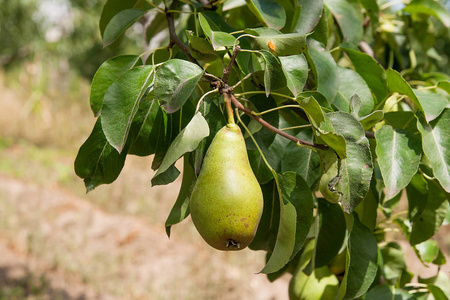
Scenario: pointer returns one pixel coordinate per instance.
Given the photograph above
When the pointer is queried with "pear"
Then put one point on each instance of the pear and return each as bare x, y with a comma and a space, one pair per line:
227, 202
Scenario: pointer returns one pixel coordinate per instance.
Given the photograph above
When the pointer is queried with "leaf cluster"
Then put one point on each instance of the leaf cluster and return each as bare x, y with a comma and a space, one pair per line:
350, 82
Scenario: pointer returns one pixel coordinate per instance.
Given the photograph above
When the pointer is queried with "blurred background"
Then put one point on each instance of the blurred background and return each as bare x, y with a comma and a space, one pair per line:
56, 241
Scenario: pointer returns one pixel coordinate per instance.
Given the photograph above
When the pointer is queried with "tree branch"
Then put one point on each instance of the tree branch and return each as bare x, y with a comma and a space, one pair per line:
174, 40
227, 70
228, 93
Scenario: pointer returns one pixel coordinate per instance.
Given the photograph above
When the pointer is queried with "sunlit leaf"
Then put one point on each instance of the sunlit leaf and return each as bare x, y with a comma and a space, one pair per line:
175, 80
106, 75
436, 146
399, 153
349, 17
186, 141
295, 68
121, 102
273, 73
269, 12
324, 69
308, 16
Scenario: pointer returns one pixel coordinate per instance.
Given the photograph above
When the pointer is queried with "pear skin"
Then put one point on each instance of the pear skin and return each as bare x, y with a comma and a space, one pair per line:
227, 202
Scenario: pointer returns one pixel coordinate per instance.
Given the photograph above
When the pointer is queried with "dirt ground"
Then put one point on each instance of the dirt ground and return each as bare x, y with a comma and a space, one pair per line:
71, 249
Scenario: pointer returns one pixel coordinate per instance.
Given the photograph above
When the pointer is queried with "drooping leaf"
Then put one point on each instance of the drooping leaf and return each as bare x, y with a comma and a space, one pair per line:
361, 266
269, 12
180, 209
295, 190
106, 75
320, 284
427, 208
121, 102
349, 17
355, 171
113, 7
324, 69
273, 73
369, 69
332, 231
308, 15
119, 23
397, 83
97, 162
175, 80
399, 153
444, 85
428, 250
351, 83
143, 131
433, 104
323, 126
285, 241
278, 43
301, 160
167, 176
330, 175
371, 119
295, 68
186, 141
436, 146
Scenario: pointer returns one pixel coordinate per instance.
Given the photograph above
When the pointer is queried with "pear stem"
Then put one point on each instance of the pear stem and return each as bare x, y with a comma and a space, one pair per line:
227, 98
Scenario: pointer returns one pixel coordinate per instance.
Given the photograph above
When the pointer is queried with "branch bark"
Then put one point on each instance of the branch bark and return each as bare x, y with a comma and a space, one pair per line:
174, 40
248, 111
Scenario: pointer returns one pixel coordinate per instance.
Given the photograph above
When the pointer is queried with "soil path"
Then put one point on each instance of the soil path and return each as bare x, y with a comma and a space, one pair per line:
77, 251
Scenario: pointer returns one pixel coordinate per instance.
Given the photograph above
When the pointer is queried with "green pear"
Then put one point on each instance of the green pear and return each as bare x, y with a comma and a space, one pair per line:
227, 202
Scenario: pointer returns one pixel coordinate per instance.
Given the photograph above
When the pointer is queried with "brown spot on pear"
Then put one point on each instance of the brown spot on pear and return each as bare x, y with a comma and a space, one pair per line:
227, 191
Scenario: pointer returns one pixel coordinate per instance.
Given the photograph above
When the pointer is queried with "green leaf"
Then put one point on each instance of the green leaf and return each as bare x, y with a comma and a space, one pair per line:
393, 262
429, 7
119, 23
428, 250
436, 146
175, 81
361, 261
121, 102
143, 131
295, 69
301, 160
323, 127
441, 280
310, 12
296, 191
269, 12
320, 284
324, 69
106, 75
186, 141
167, 177
355, 171
383, 291
285, 241
351, 83
332, 231
399, 153
445, 85
330, 176
428, 206
273, 73
397, 83
278, 43
349, 17
113, 7
97, 162
371, 119
369, 69
433, 104
180, 209
372, 9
